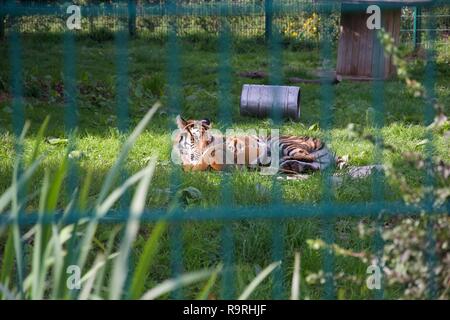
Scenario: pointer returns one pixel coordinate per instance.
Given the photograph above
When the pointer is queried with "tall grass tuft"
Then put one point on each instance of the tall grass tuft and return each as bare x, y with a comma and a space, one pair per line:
62, 263
61, 259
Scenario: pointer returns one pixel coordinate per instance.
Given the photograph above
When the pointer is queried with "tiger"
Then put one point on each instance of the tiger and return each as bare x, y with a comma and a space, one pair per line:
199, 148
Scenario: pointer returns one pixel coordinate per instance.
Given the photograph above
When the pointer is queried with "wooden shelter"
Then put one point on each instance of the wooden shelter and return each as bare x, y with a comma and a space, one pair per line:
360, 56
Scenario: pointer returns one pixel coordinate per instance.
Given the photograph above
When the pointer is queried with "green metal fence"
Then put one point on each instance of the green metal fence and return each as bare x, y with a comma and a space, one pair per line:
246, 18
166, 17
414, 22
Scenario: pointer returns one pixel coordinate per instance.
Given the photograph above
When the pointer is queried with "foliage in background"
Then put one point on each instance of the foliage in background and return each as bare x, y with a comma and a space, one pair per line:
301, 23
416, 254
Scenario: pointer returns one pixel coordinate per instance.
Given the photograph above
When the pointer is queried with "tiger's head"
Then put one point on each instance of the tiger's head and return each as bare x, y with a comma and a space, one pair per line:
191, 142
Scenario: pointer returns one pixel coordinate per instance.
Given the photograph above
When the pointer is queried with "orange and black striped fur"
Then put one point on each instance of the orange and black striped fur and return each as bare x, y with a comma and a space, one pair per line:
200, 148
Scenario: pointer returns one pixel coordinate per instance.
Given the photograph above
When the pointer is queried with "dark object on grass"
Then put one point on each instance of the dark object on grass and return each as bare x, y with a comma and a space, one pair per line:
335, 80
190, 195
253, 74
260, 100
262, 75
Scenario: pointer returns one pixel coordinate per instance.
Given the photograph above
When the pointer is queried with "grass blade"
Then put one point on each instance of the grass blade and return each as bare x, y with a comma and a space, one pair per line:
90, 276
117, 193
39, 137
55, 187
112, 174
6, 293
109, 248
7, 261
38, 288
120, 270
295, 290
101, 211
173, 284
84, 193
203, 295
150, 250
7, 196
87, 287
58, 267
98, 265
258, 279
102, 205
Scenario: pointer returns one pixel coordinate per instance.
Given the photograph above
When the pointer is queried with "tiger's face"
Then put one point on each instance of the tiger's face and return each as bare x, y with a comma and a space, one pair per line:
191, 142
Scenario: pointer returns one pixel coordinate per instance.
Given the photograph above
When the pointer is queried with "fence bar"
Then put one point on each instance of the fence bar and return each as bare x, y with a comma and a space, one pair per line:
122, 80
268, 12
174, 94
378, 123
18, 121
326, 118
122, 111
71, 122
282, 211
276, 78
417, 26
430, 182
70, 98
225, 117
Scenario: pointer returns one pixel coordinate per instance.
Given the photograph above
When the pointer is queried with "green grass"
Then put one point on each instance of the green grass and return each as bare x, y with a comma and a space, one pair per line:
99, 142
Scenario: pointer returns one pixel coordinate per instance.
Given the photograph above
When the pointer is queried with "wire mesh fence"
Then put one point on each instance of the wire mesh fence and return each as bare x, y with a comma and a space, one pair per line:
297, 20
171, 20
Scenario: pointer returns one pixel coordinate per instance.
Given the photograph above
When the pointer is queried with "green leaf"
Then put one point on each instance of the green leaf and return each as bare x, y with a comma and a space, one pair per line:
56, 141
314, 127
190, 195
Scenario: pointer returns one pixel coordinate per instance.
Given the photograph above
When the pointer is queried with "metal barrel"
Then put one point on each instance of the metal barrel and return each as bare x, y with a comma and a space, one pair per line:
258, 100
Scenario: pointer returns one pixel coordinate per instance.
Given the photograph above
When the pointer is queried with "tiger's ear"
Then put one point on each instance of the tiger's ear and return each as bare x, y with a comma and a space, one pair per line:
207, 122
181, 123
